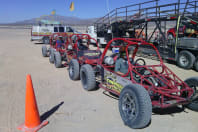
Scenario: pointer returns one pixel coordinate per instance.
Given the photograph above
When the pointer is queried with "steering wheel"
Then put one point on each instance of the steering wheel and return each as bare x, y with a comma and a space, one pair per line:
140, 64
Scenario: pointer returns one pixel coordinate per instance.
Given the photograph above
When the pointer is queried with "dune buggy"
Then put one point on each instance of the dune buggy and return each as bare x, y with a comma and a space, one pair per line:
81, 52
147, 84
56, 51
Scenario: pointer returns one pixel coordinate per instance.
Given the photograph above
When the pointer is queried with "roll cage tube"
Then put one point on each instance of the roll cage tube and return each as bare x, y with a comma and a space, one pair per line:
66, 41
89, 38
142, 42
131, 41
77, 35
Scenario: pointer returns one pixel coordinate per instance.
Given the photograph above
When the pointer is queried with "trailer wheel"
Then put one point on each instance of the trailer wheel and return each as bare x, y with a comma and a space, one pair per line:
74, 69
44, 51
193, 83
87, 77
57, 60
196, 64
185, 59
135, 106
51, 55
46, 40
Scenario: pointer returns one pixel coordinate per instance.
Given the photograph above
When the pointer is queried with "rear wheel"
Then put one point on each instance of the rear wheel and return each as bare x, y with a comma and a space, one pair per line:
57, 60
46, 40
87, 77
74, 69
185, 59
44, 51
135, 106
193, 83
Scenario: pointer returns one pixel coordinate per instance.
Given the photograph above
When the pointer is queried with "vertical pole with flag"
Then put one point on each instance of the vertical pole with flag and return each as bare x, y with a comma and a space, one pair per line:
53, 13
71, 6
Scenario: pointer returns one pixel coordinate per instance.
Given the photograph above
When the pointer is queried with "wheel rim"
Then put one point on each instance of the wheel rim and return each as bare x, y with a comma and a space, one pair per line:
71, 70
128, 106
184, 60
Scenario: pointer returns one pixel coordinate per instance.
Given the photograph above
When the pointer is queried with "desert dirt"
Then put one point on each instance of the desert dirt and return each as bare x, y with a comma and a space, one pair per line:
63, 102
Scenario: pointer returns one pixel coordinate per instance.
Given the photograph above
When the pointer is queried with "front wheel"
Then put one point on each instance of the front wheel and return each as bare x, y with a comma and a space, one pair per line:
135, 106
87, 77
74, 69
57, 60
51, 55
193, 83
44, 51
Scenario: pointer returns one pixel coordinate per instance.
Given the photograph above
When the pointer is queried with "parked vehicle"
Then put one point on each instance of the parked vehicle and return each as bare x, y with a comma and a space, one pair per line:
42, 33
57, 48
80, 52
147, 83
187, 43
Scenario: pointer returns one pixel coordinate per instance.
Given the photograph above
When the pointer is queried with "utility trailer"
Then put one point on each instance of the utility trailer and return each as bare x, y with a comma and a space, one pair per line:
172, 27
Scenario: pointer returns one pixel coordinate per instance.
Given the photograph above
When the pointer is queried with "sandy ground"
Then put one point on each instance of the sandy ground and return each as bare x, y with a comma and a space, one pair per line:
64, 103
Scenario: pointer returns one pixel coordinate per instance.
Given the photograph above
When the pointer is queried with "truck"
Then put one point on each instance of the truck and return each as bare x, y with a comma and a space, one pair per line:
171, 26
42, 32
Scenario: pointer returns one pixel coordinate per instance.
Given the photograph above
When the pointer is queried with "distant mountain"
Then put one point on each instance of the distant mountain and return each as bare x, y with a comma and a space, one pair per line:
63, 19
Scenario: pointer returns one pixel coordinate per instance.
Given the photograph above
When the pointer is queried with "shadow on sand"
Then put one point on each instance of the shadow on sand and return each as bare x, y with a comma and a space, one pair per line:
38, 43
50, 112
168, 111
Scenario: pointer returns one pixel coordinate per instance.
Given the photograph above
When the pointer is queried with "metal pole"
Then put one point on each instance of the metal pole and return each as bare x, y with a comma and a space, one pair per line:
178, 6
126, 13
156, 6
109, 17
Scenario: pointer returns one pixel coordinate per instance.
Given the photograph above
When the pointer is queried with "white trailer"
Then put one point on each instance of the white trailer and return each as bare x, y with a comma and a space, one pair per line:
91, 30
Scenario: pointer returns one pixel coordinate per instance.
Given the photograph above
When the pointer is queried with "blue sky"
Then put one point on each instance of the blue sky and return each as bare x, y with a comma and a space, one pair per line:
17, 10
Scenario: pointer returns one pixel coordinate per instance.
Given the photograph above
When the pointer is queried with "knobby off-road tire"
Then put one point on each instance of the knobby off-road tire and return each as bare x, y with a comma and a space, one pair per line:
193, 83
185, 59
135, 106
44, 51
87, 77
51, 55
57, 60
196, 64
74, 72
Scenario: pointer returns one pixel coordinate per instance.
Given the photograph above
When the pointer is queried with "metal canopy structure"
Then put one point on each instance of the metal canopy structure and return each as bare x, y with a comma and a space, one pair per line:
151, 18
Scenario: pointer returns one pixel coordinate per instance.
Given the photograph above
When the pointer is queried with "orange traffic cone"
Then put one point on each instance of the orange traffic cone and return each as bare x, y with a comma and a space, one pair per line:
32, 118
